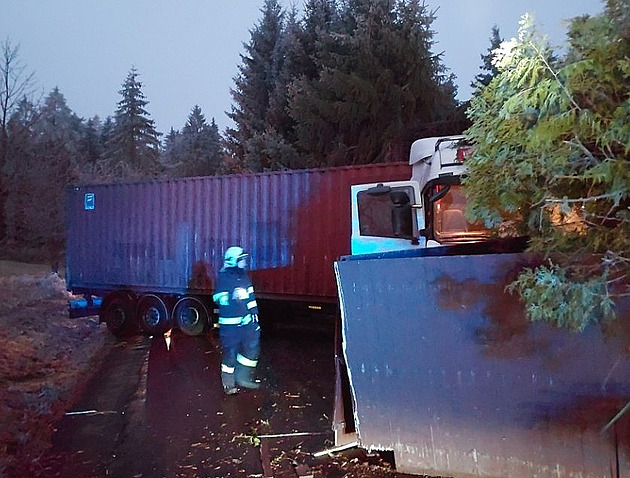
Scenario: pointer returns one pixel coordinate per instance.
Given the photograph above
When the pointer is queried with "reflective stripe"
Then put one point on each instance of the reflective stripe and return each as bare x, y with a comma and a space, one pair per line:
250, 289
221, 298
252, 304
245, 361
230, 320
226, 369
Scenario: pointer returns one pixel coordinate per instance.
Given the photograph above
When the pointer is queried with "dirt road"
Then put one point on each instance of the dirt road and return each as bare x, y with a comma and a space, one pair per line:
150, 411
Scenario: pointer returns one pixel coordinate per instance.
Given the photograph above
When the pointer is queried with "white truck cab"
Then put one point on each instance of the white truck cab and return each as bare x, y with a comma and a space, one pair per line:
426, 211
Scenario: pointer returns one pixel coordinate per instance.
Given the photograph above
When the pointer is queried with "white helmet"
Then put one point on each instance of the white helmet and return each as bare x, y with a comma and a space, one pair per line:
233, 255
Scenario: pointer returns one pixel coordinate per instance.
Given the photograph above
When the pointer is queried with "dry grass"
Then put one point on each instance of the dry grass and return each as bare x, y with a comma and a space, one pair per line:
16, 269
44, 357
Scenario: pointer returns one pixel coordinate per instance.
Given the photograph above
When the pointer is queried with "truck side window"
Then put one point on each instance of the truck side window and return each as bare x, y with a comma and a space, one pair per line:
375, 213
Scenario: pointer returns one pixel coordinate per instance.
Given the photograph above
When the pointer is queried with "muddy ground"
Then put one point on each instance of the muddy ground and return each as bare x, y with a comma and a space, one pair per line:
47, 361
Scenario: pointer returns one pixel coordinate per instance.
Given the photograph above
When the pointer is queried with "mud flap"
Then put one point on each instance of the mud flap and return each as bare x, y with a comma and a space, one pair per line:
445, 371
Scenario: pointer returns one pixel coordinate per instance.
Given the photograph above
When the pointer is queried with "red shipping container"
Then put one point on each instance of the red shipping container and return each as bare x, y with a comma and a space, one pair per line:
169, 237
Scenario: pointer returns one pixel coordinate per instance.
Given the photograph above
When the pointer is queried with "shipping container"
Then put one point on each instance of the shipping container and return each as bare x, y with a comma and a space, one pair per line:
157, 243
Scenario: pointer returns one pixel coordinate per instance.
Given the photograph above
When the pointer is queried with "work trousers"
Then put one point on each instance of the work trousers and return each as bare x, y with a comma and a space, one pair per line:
239, 340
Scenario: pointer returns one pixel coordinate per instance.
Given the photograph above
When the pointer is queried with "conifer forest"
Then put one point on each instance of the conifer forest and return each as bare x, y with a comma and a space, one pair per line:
356, 81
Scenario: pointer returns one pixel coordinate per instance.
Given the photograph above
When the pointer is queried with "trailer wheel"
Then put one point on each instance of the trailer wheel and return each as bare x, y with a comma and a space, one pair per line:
153, 315
117, 312
191, 315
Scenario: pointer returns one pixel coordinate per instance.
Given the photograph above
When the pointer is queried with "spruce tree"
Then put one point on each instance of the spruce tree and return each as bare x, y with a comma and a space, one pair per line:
488, 68
196, 151
92, 145
376, 78
20, 160
256, 81
133, 147
297, 56
173, 152
289, 54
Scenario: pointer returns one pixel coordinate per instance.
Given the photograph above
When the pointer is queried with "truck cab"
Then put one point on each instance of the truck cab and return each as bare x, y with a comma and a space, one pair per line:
426, 211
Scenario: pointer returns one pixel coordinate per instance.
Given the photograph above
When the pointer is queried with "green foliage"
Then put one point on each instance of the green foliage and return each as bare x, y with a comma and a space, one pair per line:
258, 81
338, 87
377, 77
268, 151
488, 69
552, 143
550, 296
196, 151
133, 147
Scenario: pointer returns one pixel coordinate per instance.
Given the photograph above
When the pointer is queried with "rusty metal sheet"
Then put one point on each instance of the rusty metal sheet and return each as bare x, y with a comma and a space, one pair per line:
446, 371
170, 236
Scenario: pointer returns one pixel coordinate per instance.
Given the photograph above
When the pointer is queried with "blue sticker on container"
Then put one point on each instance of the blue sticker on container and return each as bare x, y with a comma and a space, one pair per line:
88, 201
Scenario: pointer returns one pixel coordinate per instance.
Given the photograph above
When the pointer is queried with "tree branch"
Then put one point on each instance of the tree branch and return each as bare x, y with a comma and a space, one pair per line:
582, 200
564, 88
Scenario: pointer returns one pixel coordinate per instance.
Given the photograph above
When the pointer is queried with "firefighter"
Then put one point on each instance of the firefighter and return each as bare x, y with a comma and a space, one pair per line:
239, 330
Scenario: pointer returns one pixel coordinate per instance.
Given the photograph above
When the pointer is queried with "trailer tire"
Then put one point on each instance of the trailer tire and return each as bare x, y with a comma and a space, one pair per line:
153, 315
191, 315
117, 313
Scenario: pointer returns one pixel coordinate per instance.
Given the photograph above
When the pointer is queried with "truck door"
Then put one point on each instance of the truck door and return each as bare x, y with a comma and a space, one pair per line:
384, 217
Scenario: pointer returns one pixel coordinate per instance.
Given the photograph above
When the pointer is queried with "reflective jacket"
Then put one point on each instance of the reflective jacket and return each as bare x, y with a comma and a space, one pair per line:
234, 294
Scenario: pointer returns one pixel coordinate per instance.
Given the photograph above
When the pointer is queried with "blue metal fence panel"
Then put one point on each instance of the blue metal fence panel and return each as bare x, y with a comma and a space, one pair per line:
448, 373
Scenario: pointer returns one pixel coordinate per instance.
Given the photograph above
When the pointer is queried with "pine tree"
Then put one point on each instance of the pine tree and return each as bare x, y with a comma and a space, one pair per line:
133, 147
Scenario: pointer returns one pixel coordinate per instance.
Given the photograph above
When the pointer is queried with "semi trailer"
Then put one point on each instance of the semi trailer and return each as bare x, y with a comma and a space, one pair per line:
144, 255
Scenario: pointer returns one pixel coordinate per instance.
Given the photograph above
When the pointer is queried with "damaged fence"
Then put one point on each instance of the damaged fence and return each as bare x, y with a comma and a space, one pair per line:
438, 363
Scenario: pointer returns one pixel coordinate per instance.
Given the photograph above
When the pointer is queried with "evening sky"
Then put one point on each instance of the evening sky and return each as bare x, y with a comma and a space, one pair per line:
187, 52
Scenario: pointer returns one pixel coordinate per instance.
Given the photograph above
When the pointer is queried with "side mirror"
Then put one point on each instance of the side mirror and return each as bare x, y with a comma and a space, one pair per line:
402, 217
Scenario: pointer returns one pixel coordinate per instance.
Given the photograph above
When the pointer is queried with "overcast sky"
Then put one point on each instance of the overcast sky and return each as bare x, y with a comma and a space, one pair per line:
187, 52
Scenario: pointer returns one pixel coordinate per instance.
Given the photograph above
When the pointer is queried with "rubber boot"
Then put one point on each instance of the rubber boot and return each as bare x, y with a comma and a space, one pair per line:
244, 377
229, 384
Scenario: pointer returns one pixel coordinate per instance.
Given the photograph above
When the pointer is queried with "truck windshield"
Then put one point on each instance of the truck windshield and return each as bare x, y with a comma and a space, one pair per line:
449, 222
